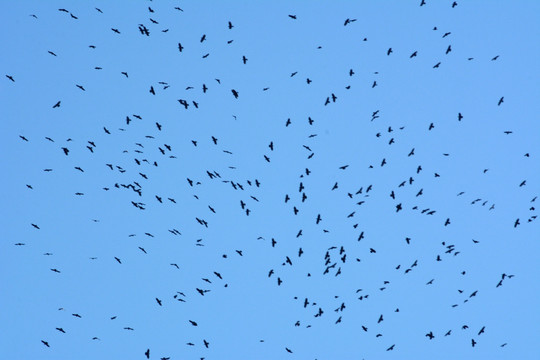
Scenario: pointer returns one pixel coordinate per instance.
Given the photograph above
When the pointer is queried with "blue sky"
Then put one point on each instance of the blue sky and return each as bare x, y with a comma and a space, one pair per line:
114, 259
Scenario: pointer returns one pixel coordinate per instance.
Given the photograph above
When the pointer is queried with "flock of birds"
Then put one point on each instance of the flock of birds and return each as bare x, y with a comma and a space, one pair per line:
134, 179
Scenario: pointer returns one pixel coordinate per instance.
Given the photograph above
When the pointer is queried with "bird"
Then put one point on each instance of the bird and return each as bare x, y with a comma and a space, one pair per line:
57, 105
501, 100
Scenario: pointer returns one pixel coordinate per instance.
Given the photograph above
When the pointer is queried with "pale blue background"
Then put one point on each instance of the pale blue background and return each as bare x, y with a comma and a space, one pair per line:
410, 94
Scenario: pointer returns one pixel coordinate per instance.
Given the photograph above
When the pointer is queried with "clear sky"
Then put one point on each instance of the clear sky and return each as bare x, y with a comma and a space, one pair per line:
144, 188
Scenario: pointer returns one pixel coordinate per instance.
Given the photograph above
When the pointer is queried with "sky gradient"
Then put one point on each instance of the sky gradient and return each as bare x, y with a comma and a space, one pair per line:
297, 185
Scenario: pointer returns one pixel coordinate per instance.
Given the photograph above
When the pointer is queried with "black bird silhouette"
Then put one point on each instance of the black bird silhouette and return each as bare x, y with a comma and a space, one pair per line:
292, 17
501, 100
147, 353
235, 93
158, 301
45, 343
57, 105
10, 78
